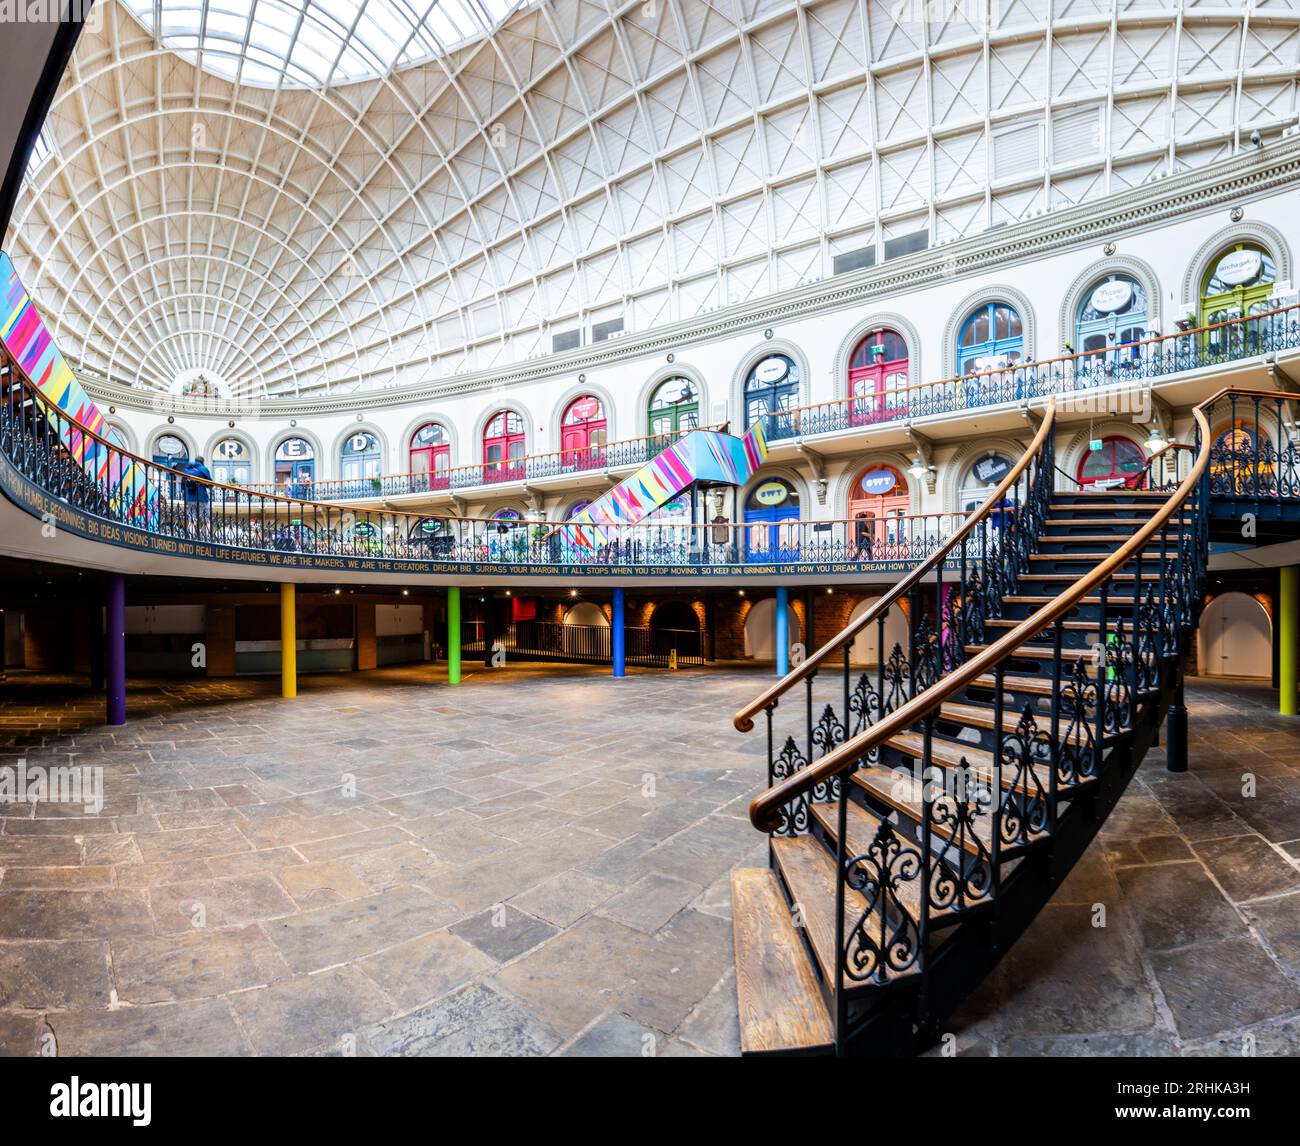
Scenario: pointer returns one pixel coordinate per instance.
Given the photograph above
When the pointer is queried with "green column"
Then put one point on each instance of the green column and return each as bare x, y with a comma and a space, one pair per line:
1288, 651
453, 634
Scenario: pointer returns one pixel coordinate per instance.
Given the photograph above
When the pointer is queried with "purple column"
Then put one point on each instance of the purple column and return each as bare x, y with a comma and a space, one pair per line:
115, 649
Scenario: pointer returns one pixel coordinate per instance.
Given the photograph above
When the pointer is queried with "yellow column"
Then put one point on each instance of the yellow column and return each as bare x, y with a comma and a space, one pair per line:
288, 641
1288, 653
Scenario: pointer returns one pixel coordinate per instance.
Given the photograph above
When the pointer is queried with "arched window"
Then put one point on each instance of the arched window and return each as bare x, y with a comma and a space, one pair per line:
360, 457
991, 338
878, 505
295, 467
430, 458
1112, 316
583, 433
169, 450
434, 535
1238, 284
1119, 462
576, 508
503, 447
878, 378
981, 479
771, 395
232, 462
772, 517
674, 407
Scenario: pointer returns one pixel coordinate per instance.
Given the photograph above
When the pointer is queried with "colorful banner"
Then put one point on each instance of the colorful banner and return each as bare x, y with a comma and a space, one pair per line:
702, 455
29, 343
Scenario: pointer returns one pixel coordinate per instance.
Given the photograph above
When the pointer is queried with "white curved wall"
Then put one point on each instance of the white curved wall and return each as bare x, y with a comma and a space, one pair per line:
1235, 638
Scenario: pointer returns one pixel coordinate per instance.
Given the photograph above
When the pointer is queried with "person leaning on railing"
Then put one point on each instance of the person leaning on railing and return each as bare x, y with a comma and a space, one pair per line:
198, 501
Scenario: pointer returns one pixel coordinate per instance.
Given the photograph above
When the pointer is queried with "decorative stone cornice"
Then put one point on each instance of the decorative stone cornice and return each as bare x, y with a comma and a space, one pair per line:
1249, 175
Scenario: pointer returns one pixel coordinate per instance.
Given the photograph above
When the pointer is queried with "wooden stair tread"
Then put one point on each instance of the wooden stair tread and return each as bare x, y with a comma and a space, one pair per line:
809, 873
1043, 599
862, 826
1075, 576
1035, 652
902, 792
1107, 520
777, 993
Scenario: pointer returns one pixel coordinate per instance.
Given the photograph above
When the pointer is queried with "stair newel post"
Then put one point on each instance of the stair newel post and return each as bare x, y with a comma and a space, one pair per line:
1162, 614
913, 619
1256, 451
1056, 726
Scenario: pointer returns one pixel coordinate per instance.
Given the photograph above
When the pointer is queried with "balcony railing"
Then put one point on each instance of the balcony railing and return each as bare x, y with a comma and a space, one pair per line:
586, 459
1158, 356
1155, 357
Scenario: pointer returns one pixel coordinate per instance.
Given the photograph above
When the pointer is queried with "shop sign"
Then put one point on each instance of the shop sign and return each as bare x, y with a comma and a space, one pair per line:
771, 370
991, 468
1111, 296
585, 409
1238, 267
878, 482
771, 493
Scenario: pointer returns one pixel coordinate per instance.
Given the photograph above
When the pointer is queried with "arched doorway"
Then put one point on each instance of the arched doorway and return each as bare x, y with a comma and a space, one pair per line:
992, 338
1235, 637
1111, 318
878, 508
771, 395
772, 517
878, 378
170, 451
587, 613
1240, 283
295, 467
675, 627
674, 407
583, 433
430, 458
1119, 462
866, 645
360, 458
504, 445
760, 629
232, 462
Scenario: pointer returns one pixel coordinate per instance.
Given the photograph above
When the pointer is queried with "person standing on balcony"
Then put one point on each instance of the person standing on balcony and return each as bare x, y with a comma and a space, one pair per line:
198, 498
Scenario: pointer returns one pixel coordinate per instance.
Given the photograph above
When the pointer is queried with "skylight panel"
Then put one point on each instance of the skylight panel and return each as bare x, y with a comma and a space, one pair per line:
313, 42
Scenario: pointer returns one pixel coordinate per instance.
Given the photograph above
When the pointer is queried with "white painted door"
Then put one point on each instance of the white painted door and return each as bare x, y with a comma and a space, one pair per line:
1236, 637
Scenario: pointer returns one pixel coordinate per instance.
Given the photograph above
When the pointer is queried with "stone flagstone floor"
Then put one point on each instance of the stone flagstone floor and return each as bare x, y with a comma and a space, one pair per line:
536, 863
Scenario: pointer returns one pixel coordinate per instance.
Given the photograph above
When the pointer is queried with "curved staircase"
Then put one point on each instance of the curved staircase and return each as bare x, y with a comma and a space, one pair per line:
921, 811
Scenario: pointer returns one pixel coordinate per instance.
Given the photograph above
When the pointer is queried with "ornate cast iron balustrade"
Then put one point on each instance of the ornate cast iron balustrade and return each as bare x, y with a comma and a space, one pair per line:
96, 476
853, 729
1129, 363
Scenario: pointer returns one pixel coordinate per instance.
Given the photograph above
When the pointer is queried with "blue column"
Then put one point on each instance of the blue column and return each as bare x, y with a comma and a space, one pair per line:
617, 635
782, 631
115, 649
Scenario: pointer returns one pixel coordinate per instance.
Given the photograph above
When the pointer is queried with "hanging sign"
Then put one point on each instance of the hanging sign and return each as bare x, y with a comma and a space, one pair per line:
170, 446
1238, 267
231, 448
360, 443
292, 448
991, 468
771, 370
878, 482
1095, 445
771, 493
1111, 296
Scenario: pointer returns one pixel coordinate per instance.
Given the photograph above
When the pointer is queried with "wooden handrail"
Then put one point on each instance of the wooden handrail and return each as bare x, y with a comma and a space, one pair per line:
765, 810
744, 719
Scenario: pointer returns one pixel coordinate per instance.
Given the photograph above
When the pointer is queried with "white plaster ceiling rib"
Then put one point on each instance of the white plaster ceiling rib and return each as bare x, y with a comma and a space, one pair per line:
307, 197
